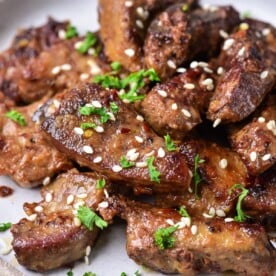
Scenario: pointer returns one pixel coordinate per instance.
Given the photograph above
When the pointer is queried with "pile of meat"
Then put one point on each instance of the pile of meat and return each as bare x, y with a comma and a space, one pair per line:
186, 114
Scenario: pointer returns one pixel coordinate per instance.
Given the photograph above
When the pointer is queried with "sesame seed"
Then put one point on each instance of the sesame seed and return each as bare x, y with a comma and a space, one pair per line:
31, 217
266, 31
106, 193
56, 70
220, 213
241, 51
87, 250
78, 204
88, 149
228, 219
139, 24
134, 156
190, 190
91, 51
216, 122
129, 52
46, 181
130, 152
84, 76
97, 159
48, 197
190, 173
161, 153
244, 26
82, 196
194, 229
78, 131
171, 64
151, 153
264, 74
194, 64
140, 118
186, 113
141, 164
38, 209
210, 87
181, 70
174, 106
212, 211
203, 64
228, 44
126, 101
61, 34
223, 34
94, 68
70, 199
187, 221
266, 157
96, 104
170, 222
77, 222
253, 156
208, 70
144, 14
66, 67
111, 116
207, 215
189, 86
116, 168
86, 260
207, 81
128, 4
271, 125
103, 204
261, 119
139, 139
78, 44
162, 93
223, 163
220, 70
99, 129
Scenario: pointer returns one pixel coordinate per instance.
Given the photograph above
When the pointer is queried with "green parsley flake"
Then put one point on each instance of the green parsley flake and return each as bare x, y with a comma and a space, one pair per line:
91, 110
100, 183
185, 8
183, 212
169, 143
70, 273
125, 163
89, 218
163, 237
87, 125
153, 172
241, 216
245, 14
107, 81
16, 117
116, 66
114, 107
89, 274
89, 41
123, 274
71, 32
197, 178
137, 273
5, 226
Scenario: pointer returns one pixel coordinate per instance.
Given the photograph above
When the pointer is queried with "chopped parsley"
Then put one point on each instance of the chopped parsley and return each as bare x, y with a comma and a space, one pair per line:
241, 216
100, 183
16, 117
89, 218
163, 237
114, 107
197, 178
89, 274
5, 226
153, 172
71, 32
87, 125
137, 273
89, 110
125, 163
107, 81
116, 66
183, 212
169, 143
89, 41
123, 274
70, 273
185, 7
245, 14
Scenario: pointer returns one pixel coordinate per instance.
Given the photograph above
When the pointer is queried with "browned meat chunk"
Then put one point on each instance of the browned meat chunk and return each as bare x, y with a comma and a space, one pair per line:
51, 236
39, 63
256, 141
123, 27
26, 154
204, 247
117, 144
175, 107
175, 37
248, 78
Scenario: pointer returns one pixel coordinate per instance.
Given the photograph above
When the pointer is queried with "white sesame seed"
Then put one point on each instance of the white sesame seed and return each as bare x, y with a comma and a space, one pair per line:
212, 211
111, 116
66, 67
61, 34
194, 229
171, 64
228, 219
194, 64
139, 139
139, 24
46, 181
161, 153
189, 86
106, 193
128, 4
223, 34
78, 204
203, 64
180, 225
103, 204
228, 43
99, 129
210, 87
244, 26
87, 149
38, 209
271, 125
82, 195
208, 70
216, 122
86, 260
141, 164
87, 250
91, 51
134, 156
48, 197
31, 217
116, 168
129, 52
84, 76
96, 104
174, 106
126, 101
78, 44
142, 13
241, 51
78, 131
149, 154
77, 221
266, 31
97, 159
207, 215
70, 199
207, 81
253, 156
261, 119
220, 213
220, 70
266, 157
94, 68
56, 70
190, 173
186, 113
140, 118
223, 163
170, 222
162, 93
264, 74
131, 152
187, 221
190, 190
181, 70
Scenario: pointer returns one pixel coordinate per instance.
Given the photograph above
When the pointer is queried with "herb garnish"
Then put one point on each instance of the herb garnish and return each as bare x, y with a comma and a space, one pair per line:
16, 117
89, 218
163, 237
71, 32
169, 143
87, 125
123, 274
114, 107
245, 14
197, 178
100, 183
89, 41
5, 226
153, 172
116, 66
89, 110
107, 81
137, 273
125, 163
241, 216
183, 212
89, 274
70, 273
185, 7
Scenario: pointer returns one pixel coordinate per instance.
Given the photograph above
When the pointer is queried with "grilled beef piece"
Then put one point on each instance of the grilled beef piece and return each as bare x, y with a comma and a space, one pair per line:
256, 142
175, 107
101, 147
123, 33
205, 247
26, 154
51, 236
38, 63
175, 37
249, 77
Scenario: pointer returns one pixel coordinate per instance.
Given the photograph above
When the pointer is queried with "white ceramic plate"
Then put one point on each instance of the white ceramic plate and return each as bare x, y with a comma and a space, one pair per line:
109, 257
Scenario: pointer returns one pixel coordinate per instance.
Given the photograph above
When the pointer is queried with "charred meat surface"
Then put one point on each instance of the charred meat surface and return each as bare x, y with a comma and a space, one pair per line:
206, 246
50, 237
176, 37
115, 143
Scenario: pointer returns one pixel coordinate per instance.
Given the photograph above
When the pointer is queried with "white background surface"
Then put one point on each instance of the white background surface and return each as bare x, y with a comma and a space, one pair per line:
108, 258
